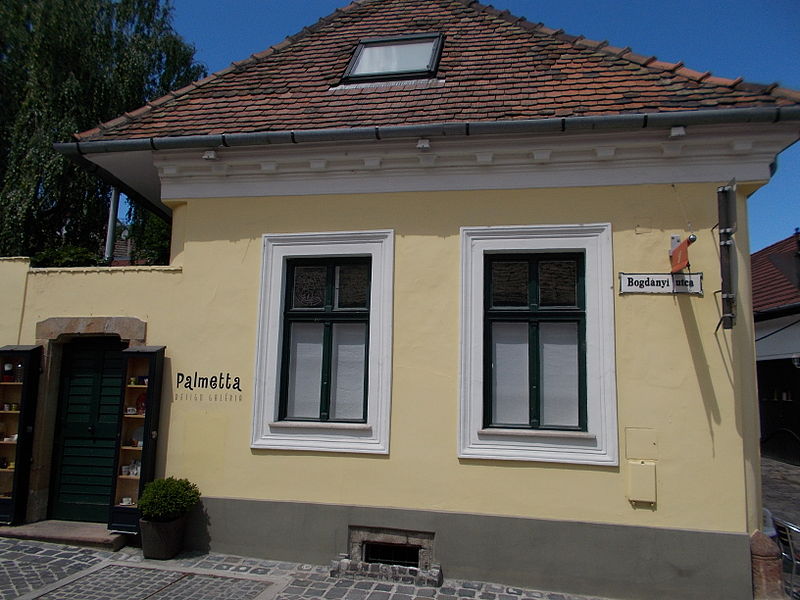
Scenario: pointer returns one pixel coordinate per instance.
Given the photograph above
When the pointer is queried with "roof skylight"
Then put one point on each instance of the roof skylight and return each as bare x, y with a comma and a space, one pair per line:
395, 58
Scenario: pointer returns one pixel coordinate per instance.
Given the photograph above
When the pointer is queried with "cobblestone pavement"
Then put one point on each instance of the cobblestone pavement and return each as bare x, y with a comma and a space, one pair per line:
38, 570
780, 489
26, 566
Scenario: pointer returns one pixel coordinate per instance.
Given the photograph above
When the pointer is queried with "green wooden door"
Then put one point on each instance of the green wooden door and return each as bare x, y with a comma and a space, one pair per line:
86, 432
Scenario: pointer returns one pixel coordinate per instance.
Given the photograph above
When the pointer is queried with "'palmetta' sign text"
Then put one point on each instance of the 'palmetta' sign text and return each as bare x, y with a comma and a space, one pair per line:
223, 381
215, 388
660, 283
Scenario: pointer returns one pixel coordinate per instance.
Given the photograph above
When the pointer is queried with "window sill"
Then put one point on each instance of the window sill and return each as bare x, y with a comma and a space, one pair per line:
318, 436
366, 427
536, 433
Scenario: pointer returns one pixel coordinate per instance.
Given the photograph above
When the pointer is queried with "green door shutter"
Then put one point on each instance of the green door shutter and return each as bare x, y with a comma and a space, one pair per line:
84, 449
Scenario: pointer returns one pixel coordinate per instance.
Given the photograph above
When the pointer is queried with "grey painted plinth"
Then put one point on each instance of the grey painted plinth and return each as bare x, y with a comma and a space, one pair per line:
583, 558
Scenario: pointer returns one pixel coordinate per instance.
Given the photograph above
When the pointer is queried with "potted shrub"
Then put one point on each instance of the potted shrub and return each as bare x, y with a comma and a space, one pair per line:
163, 505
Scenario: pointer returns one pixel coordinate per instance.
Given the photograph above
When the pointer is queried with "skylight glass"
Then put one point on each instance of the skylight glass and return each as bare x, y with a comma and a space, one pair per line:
395, 58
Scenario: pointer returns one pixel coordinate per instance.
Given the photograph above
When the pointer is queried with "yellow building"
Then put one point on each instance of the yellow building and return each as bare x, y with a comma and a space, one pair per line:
420, 294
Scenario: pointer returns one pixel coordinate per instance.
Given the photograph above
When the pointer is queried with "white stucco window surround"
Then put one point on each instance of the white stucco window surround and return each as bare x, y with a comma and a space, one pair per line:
598, 443
371, 436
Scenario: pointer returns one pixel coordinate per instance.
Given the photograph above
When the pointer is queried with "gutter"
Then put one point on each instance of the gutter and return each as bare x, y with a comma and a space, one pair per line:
775, 312
76, 150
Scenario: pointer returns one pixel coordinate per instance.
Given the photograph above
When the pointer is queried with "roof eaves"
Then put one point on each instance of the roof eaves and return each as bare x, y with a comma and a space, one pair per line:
630, 121
776, 311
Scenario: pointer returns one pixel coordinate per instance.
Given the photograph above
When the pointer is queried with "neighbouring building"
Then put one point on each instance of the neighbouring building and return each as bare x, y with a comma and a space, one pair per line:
421, 298
776, 307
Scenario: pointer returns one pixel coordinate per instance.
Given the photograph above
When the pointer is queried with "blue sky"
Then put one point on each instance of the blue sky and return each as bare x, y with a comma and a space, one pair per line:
758, 40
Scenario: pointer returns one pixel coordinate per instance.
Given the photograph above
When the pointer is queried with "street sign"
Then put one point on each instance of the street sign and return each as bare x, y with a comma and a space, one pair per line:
660, 283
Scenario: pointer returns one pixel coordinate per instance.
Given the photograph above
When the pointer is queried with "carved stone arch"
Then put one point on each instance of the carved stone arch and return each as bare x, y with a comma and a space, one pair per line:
129, 329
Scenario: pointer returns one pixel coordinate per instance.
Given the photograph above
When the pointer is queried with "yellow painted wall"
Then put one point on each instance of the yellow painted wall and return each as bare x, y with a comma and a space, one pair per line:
674, 373
13, 279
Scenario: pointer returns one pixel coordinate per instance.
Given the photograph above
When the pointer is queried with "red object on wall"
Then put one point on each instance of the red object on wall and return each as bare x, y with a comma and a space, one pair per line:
679, 257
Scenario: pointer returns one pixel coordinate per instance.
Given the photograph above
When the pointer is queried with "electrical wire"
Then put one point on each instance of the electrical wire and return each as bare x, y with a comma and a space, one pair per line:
765, 336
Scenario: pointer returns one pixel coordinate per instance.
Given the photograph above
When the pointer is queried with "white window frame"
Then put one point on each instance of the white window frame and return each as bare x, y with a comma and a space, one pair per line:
371, 437
598, 445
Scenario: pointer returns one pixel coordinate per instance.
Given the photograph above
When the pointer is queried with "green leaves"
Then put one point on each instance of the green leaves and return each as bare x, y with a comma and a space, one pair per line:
151, 237
65, 66
167, 499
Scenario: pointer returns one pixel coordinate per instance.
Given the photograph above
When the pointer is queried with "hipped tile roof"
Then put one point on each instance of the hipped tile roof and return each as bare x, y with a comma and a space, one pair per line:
772, 275
494, 66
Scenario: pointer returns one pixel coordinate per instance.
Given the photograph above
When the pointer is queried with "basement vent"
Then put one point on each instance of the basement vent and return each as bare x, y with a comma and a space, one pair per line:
391, 546
391, 554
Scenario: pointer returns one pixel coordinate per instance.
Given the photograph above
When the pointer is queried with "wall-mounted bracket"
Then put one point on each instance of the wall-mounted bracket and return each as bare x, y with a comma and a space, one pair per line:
726, 205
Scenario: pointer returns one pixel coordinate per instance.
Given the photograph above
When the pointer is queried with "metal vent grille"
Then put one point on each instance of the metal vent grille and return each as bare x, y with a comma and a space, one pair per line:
391, 554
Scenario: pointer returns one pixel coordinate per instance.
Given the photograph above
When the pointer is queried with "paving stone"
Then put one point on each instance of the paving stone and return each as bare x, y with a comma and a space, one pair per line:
780, 484
364, 585
494, 588
472, 585
211, 587
12, 555
115, 583
405, 589
294, 589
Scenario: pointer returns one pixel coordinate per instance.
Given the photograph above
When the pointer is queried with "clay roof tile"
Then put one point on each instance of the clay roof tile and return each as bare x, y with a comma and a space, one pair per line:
494, 65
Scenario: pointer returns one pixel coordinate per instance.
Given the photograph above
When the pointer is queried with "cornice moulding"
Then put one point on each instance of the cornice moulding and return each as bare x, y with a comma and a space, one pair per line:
707, 153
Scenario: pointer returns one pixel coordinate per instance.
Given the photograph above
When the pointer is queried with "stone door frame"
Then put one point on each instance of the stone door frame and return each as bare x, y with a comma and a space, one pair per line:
52, 334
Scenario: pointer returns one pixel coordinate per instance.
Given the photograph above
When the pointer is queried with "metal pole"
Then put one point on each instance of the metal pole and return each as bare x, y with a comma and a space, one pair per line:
112, 225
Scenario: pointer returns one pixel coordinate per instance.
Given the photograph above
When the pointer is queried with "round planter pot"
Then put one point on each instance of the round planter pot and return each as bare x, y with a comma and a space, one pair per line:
162, 540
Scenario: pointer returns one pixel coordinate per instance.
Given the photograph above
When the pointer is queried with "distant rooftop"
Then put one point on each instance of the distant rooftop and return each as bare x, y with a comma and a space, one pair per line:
775, 271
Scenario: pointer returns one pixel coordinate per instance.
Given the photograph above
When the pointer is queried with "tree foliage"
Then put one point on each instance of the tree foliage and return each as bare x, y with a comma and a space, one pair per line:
65, 66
